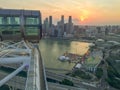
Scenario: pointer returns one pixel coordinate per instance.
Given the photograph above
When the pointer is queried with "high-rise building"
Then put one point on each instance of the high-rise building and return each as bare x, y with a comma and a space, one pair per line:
59, 28
69, 26
70, 19
62, 25
46, 26
50, 21
62, 19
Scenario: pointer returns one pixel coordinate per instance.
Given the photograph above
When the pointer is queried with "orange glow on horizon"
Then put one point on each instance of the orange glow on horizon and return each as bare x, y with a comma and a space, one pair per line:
82, 18
94, 12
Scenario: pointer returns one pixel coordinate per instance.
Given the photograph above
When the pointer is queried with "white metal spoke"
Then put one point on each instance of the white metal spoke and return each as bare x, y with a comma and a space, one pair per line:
12, 53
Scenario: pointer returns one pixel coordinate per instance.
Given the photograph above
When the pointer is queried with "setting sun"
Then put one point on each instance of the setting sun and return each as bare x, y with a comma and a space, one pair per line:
86, 11
82, 18
84, 15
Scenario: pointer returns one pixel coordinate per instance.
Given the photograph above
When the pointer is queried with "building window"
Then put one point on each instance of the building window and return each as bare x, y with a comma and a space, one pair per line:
31, 20
7, 30
33, 30
4, 20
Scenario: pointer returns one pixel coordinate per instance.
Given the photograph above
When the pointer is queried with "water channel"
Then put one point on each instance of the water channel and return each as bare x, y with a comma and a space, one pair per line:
51, 49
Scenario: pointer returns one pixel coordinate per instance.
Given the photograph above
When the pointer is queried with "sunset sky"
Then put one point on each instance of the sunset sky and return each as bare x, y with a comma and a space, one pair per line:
85, 12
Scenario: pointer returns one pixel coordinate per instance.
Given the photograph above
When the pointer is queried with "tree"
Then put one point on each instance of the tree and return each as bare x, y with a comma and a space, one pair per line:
67, 82
99, 73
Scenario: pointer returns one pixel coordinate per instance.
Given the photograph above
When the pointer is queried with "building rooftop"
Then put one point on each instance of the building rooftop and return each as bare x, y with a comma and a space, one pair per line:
19, 12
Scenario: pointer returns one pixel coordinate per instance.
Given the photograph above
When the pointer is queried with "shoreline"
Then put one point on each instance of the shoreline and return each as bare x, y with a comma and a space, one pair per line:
70, 39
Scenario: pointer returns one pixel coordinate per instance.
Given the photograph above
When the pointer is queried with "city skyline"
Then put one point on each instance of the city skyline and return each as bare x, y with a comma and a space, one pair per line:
84, 12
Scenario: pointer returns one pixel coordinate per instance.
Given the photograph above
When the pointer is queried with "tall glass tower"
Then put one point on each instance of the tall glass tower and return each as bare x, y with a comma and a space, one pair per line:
50, 21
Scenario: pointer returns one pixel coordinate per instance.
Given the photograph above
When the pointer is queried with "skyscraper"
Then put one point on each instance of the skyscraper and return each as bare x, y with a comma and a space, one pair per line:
62, 25
70, 19
50, 21
62, 19
46, 26
69, 26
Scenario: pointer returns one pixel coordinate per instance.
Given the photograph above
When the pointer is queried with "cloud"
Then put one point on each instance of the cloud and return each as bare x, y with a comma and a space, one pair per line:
76, 20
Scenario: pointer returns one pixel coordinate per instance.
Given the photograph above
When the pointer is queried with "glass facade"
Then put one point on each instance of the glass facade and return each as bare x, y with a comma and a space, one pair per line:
10, 30
31, 25
5, 20
31, 20
31, 30
9, 25
20, 24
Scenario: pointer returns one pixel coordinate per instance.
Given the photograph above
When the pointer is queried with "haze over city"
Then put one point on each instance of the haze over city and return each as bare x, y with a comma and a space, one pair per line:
59, 45
84, 12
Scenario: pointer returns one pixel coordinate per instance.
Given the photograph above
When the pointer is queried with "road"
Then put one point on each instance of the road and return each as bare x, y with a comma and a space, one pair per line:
103, 83
77, 82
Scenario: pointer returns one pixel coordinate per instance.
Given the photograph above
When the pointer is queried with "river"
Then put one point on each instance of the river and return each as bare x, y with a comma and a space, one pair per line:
51, 49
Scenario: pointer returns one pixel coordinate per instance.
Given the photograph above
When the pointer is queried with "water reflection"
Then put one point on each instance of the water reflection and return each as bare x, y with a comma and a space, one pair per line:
52, 49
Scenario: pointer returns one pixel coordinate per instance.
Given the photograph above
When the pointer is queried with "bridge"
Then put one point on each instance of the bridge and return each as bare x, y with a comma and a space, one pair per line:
77, 82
